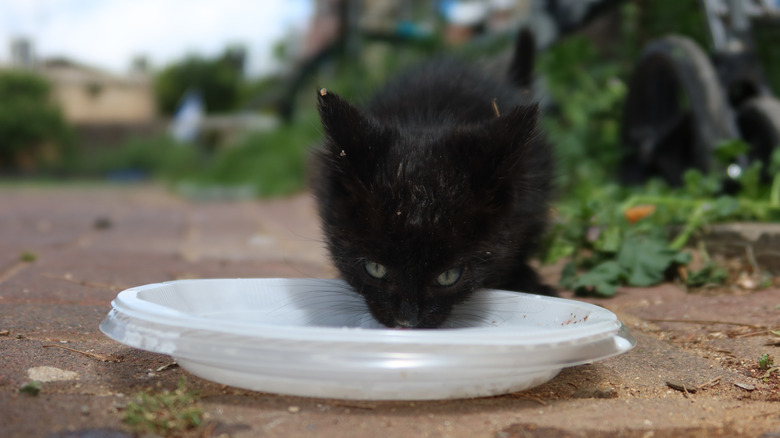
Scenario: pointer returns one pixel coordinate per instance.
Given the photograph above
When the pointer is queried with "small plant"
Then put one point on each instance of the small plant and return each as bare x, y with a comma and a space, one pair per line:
31, 388
766, 362
709, 274
166, 413
28, 257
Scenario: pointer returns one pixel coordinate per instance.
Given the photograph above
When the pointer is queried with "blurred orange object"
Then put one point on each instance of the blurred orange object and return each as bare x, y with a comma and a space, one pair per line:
638, 212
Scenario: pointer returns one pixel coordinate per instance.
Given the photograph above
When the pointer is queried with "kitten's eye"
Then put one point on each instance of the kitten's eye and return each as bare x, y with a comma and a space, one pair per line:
376, 270
449, 277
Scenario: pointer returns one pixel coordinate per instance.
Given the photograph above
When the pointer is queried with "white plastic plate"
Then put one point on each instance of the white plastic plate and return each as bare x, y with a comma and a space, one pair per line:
316, 338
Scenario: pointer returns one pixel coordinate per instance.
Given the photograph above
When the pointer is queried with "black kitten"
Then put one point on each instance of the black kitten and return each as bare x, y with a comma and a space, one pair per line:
435, 189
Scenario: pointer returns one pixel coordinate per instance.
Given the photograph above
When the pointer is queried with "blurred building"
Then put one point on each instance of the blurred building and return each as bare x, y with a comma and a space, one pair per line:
90, 96
103, 107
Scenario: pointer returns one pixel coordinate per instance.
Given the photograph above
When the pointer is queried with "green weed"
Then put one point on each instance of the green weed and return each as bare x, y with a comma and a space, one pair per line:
28, 256
31, 388
165, 413
765, 362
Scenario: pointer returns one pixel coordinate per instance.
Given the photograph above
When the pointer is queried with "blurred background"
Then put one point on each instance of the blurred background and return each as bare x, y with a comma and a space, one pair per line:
216, 99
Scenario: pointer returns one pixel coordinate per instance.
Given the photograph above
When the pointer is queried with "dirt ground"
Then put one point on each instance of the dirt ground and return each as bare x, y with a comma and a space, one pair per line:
66, 252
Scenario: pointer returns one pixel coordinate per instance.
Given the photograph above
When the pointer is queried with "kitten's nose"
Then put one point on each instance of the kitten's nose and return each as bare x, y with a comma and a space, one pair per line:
407, 315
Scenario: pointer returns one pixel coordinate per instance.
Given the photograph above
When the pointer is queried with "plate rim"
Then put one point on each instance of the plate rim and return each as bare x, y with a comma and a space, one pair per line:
129, 304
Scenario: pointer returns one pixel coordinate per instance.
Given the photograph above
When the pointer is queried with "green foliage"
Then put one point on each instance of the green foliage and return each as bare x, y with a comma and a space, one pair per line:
765, 362
267, 163
608, 250
765, 34
28, 257
683, 17
729, 150
259, 92
585, 130
646, 258
219, 80
602, 280
160, 157
272, 162
31, 388
710, 273
33, 133
166, 413
262, 163
612, 252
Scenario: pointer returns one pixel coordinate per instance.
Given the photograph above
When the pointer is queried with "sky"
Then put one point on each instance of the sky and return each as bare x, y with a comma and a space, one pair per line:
108, 33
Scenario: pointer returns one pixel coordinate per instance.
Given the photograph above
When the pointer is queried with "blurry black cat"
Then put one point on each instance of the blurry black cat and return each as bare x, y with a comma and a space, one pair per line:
432, 191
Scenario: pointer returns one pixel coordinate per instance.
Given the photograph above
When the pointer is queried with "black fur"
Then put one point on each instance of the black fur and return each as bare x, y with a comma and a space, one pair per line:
426, 178
521, 69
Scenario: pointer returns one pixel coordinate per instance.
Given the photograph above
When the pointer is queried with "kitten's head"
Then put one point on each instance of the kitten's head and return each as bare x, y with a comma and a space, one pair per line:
416, 220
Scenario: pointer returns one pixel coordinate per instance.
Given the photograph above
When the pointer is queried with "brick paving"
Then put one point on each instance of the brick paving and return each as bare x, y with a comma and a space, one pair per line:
89, 242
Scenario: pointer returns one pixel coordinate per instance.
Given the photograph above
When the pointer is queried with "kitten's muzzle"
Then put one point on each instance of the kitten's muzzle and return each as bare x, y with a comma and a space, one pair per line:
407, 315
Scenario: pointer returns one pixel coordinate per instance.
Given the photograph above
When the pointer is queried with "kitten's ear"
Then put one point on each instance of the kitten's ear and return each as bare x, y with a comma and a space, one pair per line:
515, 129
492, 150
343, 123
355, 144
521, 69
513, 156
